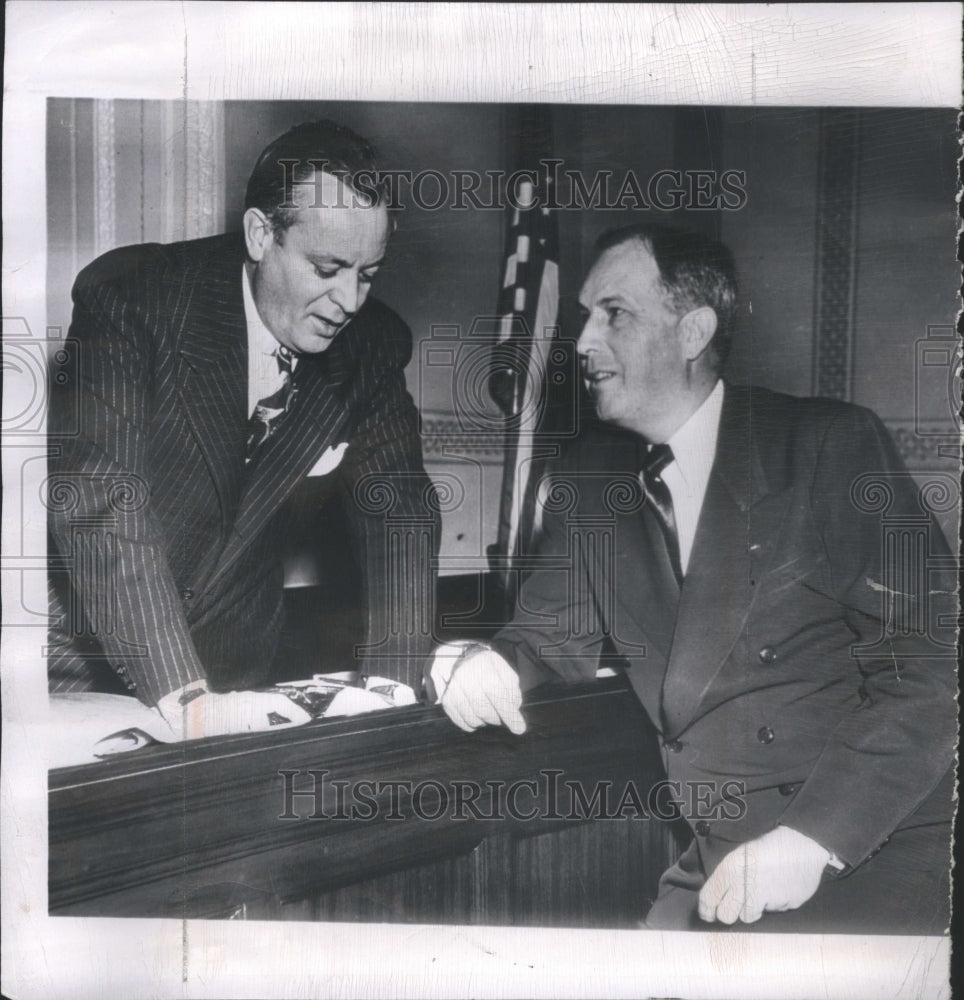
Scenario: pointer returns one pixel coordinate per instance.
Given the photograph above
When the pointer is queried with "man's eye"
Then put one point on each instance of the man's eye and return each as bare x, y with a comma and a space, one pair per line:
614, 312
366, 279
324, 272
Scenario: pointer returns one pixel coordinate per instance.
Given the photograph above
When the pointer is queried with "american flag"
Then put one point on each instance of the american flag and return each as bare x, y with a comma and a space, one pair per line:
528, 312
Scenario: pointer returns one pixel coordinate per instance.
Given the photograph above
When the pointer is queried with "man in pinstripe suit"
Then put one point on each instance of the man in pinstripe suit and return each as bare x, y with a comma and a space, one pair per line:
212, 377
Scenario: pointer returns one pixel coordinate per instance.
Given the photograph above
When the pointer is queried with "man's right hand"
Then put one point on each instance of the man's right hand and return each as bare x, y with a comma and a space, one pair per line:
477, 687
193, 712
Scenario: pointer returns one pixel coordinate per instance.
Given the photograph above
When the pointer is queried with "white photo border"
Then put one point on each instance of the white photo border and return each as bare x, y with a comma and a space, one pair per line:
820, 54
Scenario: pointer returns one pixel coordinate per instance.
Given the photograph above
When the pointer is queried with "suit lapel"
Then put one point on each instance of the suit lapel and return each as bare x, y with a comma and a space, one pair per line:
648, 595
212, 374
637, 593
313, 424
719, 587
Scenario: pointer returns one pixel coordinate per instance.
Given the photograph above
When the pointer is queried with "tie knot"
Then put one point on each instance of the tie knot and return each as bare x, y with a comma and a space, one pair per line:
284, 357
658, 457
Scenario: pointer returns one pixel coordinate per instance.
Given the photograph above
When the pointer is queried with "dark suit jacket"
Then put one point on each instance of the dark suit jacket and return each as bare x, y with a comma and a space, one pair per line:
785, 663
169, 546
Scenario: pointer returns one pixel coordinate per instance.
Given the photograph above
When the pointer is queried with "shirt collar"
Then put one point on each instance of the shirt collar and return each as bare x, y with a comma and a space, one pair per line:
260, 339
694, 444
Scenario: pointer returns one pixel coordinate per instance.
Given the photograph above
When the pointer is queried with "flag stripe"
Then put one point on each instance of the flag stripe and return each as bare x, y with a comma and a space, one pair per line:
528, 310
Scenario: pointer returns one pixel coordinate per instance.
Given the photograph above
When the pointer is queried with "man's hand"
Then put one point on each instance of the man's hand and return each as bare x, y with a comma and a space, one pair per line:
476, 687
779, 871
194, 712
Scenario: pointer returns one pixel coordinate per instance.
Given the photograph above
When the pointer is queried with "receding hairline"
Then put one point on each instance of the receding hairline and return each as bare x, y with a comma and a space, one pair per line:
616, 239
306, 195
633, 241
348, 196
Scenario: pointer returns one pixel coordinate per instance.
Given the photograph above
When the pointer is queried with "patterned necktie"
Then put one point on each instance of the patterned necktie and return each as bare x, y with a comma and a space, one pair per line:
269, 411
661, 500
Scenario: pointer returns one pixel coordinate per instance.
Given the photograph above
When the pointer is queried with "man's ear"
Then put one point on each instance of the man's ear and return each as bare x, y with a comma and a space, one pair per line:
696, 331
258, 234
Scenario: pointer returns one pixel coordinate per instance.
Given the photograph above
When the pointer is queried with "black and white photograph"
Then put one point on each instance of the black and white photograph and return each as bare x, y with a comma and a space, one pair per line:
474, 538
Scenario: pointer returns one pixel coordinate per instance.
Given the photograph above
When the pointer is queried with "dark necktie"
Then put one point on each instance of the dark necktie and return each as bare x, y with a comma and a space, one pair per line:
661, 500
269, 411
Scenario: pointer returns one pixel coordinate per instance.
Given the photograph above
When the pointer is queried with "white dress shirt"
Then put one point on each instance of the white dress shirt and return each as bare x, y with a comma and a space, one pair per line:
264, 378
694, 448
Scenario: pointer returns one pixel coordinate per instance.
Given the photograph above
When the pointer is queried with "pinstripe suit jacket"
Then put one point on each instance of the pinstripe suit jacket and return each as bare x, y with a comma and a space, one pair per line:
165, 547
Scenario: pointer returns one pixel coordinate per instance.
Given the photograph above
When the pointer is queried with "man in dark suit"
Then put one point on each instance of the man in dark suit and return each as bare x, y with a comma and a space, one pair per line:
212, 377
765, 570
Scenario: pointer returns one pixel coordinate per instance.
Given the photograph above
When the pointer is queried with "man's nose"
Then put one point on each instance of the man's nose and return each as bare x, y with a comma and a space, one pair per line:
345, 292
589, 338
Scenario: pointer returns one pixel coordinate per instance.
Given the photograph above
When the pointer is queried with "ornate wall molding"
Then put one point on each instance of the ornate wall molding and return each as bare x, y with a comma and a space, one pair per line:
444, 437
192, 177
838, 176
204, 168
105, 177
936, 446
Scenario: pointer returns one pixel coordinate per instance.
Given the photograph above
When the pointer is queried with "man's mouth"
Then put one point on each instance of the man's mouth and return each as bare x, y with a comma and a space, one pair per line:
328, 327
597, 378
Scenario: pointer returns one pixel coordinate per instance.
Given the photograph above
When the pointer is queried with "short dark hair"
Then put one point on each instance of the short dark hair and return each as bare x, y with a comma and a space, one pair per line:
695, 271
345, 154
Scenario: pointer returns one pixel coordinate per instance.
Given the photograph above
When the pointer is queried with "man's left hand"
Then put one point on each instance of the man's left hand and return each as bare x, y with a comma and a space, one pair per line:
779, 871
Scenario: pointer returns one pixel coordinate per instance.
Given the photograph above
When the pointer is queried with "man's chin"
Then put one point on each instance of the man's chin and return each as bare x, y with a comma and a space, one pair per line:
315, 343
608, 414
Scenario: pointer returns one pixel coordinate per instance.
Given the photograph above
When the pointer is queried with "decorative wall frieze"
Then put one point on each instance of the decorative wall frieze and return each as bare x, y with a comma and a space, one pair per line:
838, 176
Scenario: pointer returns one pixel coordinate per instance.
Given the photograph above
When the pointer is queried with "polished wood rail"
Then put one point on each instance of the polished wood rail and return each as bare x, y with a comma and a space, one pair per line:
404, 818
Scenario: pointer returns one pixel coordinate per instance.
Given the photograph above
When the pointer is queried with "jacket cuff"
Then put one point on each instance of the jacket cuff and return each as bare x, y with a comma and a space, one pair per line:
846, 841
531, 674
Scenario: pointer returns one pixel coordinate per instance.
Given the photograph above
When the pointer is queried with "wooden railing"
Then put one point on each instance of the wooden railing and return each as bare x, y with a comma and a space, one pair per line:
404, 818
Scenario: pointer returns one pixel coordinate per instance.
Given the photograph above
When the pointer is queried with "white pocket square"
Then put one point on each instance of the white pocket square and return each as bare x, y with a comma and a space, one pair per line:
330, 460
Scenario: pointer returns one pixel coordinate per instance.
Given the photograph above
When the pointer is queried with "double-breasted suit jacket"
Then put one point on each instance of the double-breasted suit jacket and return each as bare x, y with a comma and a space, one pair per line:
166, 546
808, 656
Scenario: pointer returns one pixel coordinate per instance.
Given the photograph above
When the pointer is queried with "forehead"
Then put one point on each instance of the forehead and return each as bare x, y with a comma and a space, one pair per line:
333, 220
627, 270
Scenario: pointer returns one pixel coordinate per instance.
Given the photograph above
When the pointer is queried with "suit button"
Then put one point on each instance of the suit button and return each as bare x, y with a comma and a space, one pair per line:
187, 594
768, 655
702, 828
787, 789
765, 734
674, 746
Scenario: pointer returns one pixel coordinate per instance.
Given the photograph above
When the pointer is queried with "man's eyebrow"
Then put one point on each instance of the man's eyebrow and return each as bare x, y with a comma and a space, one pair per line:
610, 300
316, 258
320, 258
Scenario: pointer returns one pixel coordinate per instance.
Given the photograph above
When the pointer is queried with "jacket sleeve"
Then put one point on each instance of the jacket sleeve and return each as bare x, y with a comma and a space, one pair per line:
551, 636
393, 511
99, 495
894, 581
